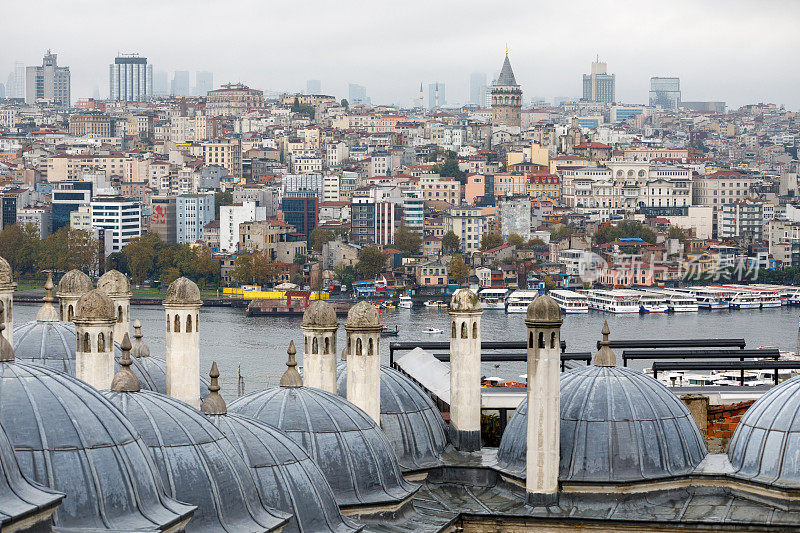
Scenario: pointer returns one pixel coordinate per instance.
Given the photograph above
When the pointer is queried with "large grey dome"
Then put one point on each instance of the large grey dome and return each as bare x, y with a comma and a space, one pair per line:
617, 424
197, 463
409, 418
766, 445
67, 436
52, 344
286, 477
20, 500
352, 451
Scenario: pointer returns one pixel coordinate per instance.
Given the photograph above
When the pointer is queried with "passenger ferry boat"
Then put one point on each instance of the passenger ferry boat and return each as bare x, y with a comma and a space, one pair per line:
652, 303
614, 301
570, 302
745, 300
493, 298
709, 299
518, 301
405, 302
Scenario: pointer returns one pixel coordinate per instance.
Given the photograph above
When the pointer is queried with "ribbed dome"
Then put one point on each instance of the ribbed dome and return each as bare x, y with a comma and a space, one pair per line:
352, 451
409, 418
286, 477
21, 500
74, 282
67, 436
320, 314
94, 305
52, 344
464, 300
6, 275
766, 445
183, 291
197, 463
114, 283
617, 424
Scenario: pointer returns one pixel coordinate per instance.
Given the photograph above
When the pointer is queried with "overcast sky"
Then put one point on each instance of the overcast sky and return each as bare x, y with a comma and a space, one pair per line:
737, 51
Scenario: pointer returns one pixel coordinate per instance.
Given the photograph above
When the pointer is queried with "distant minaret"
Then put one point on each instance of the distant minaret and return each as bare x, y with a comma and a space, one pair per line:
421, 97
436, 96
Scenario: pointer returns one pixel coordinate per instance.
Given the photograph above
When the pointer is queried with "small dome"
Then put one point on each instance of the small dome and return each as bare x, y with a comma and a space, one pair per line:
464, 300
94, 305
114, 283
20, 499
74, 282
617, 425
363, 315
320, 314
543, 309
353, 453
766, 445
64, 434
183, 291
286, 477
197, 463
409, 418
6, 275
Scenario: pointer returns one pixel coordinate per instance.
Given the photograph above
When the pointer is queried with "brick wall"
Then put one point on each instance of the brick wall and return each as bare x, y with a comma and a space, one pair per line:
723, 419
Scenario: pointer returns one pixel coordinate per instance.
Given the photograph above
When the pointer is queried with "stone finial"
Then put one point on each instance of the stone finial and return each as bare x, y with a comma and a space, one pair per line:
605, 356
125, 380
140, 348
291, 378
6, 350
214, 404
48, 313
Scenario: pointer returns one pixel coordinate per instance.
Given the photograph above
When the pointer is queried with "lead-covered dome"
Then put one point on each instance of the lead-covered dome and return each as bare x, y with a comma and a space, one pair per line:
114, 283
409, 418
95, 305
363, 315
464, 300
766, 445
183, 291
318, 314
197, 463
617, 425
543, 309
67, 436
74, 282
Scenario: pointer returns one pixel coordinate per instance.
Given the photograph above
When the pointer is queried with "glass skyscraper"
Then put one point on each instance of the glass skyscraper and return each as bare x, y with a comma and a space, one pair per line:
599, 86
665, 92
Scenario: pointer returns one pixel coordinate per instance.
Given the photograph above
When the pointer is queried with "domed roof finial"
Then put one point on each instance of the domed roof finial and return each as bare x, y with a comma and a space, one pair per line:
125, 380
6, 350
605, 356
48, 313
140, 348
291, 378
214, 404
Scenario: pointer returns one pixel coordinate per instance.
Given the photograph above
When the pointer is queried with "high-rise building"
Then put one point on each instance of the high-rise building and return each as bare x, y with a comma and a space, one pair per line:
2, 91
599, 86
301, 211
67, 197
357, 94
48, 83
665, 92
204, 82
130, 79
313, 87
180, 83
160, 83
193, 212
119, 216
506, 98
477, 88
15, 85
436, 95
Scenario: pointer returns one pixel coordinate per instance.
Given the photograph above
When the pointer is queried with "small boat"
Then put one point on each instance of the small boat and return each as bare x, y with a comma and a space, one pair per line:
405, 302
431, 329
434, 303
386, 332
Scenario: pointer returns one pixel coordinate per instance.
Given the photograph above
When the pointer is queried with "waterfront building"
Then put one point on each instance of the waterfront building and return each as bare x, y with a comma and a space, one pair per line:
130, 79
49, 83
599, 86
301, 211
279, 240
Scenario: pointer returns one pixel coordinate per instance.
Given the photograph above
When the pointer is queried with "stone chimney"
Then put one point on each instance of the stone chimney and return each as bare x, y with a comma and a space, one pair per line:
118, 288
7, 288
319, 346
364, 359
182, 307
94, 331
544, 417
465, 370
71, 287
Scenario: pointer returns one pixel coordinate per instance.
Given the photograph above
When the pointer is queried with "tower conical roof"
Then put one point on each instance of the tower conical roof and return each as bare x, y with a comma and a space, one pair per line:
506, 76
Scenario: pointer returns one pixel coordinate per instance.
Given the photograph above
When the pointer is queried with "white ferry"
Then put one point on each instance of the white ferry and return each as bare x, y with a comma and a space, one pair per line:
745, 300
709, 299
493, 298
677, 301
652, 303
405, 302
518, 301
570, 302
613, 301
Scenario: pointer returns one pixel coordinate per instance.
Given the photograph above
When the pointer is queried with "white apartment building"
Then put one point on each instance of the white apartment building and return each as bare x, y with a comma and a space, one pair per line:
119, 216
230, 216
336, 154
330, 188
294, 183
304, 164
467, 224
380, 164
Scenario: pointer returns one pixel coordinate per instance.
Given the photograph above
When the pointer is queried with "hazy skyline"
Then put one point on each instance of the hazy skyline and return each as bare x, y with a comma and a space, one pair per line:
739, 52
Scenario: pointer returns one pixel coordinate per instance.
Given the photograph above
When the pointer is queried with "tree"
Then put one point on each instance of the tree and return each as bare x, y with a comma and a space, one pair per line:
242, 272
221, 198
459, 270
450, 168
491, 240
407, 240
320, 236
21, 247
561, 231
206, 270
450, 243
117, 261
516, 240
345, 104
678, 233
370, 262
345, 274
536, 241
140, 253
169, 275
625, 229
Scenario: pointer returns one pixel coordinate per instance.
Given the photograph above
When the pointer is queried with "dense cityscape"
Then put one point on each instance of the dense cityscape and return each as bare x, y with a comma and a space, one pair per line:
427, 306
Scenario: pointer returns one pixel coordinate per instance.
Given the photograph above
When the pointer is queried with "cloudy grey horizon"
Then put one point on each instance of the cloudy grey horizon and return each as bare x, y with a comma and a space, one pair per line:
738, 52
